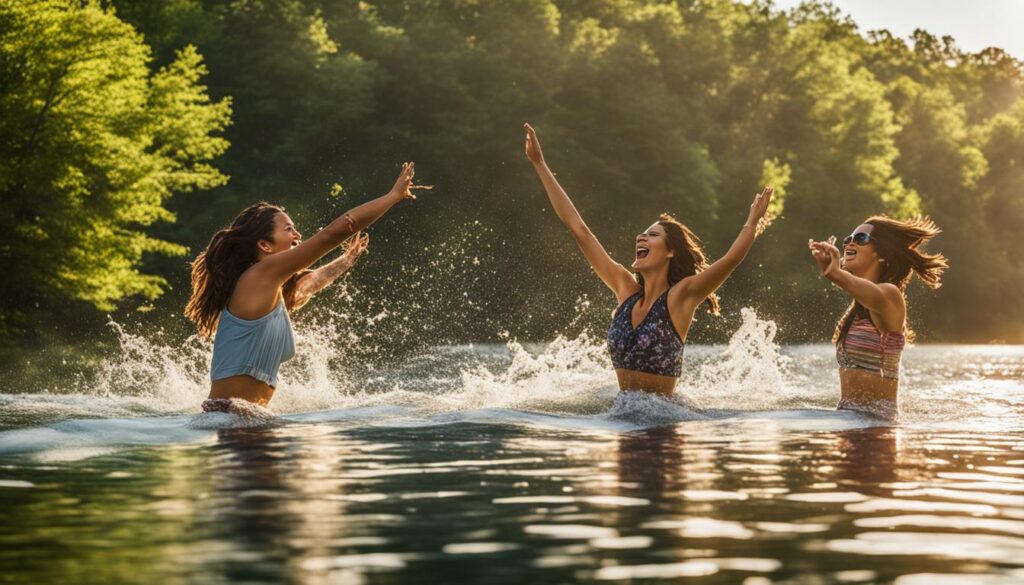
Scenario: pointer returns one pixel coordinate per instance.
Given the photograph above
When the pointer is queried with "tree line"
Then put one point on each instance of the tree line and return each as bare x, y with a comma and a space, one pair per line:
132, 130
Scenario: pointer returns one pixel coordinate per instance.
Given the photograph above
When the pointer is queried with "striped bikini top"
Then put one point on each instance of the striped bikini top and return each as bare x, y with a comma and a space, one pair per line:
864, 347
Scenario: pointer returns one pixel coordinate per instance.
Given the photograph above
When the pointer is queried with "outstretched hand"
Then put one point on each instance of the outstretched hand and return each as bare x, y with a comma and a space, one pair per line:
404, 186
357, 246
759, 208
825, 254
533, 151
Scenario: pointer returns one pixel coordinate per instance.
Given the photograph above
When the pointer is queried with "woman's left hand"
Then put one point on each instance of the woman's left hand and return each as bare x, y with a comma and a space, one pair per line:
759, 208
533, 151
359, 244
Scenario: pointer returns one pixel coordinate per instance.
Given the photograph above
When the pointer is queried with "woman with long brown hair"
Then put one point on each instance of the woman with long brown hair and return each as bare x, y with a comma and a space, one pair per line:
673, 278
253, 273
876, 264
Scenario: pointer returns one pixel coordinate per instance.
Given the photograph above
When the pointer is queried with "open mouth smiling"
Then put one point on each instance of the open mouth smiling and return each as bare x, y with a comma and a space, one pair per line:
642, 252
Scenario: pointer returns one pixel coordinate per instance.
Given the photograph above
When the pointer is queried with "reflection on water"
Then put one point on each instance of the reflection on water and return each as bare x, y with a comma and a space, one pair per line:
650, 462
471, 502
508, 465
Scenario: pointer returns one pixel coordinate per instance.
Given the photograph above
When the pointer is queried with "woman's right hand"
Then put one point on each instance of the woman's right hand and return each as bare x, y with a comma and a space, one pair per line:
825, 254
533, 151
403, 185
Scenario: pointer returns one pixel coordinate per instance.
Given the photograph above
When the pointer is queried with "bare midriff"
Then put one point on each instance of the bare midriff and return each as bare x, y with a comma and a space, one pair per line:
244, 387
634, 380
861, 388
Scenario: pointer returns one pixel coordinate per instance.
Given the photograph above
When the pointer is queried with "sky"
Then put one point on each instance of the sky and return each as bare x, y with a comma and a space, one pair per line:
975, 24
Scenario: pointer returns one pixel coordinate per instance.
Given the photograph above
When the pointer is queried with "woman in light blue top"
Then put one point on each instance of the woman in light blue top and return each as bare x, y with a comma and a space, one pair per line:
253, 273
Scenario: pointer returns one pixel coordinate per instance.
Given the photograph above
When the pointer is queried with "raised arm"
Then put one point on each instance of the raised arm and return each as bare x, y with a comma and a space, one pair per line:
882, 298
316, 280
707, 281
280, 267
613, 274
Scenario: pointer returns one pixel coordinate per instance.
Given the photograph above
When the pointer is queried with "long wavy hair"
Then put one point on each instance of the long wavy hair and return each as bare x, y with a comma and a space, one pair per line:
898, 244
688, 257
231, 251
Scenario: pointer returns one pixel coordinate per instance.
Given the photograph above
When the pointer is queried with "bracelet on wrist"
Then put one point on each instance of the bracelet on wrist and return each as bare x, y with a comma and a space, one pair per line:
352, 223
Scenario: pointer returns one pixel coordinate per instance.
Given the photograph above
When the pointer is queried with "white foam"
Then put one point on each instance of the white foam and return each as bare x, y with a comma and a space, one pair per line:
345, 370
77, 439
750, 371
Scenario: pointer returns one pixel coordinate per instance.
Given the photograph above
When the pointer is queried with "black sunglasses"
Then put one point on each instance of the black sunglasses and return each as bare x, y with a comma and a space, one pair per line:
859, 238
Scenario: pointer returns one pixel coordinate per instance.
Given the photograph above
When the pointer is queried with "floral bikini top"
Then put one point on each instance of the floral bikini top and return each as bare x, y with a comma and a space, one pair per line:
653, 346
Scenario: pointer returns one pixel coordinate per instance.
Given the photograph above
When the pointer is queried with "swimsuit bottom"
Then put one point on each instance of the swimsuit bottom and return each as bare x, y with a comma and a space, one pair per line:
217, 405
251, 413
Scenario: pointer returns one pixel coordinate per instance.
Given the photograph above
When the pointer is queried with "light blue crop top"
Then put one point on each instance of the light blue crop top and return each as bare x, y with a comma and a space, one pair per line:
254, 347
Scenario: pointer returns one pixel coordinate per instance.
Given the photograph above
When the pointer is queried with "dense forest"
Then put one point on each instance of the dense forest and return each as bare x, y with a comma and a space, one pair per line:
132, 130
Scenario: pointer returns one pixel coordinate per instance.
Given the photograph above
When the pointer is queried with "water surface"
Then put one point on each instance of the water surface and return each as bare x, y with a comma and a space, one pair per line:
504, 463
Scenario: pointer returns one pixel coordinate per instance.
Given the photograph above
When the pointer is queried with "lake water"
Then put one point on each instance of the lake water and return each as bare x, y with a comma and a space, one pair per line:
518, 464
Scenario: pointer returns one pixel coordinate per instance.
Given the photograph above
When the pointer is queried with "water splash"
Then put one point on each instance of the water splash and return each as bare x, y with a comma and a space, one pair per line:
643, 409
566, 376
161, 377
750, 370
341, 365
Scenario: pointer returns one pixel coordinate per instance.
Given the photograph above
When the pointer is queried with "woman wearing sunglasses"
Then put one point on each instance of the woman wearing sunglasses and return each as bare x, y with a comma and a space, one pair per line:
875, 265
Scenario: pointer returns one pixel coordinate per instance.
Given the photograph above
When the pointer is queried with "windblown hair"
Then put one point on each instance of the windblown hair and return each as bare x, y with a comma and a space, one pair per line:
231, 251
688, 257
897, 243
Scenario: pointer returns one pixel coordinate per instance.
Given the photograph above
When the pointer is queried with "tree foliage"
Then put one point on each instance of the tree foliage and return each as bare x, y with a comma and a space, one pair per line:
92, 144
644, 106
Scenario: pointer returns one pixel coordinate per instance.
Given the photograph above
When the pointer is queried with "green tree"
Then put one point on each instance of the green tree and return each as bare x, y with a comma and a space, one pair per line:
92, 144
644, 106
1001, 139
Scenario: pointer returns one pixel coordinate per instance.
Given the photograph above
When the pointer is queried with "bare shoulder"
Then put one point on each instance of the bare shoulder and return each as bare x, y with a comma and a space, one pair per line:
257, 275
681, 290
683, 299
628, 288
256, 293
892, 293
